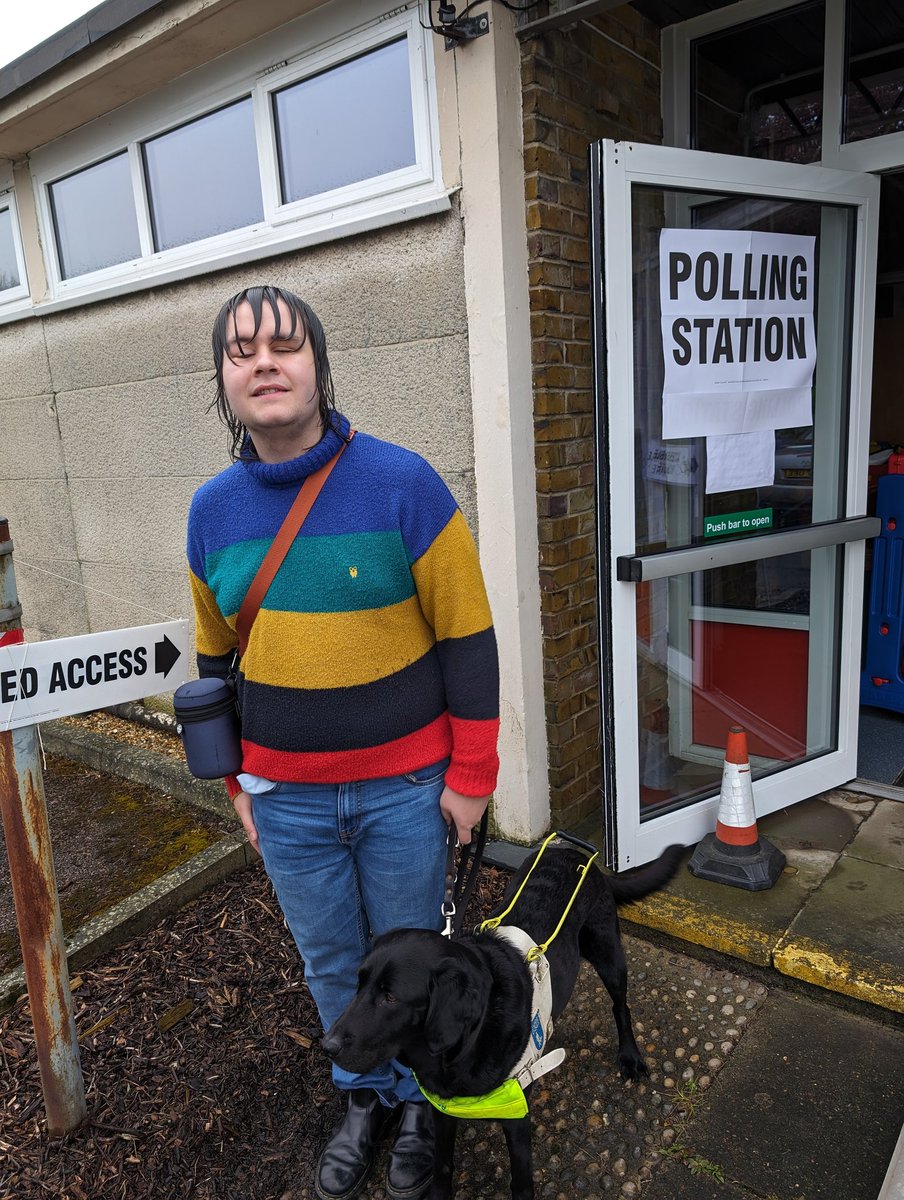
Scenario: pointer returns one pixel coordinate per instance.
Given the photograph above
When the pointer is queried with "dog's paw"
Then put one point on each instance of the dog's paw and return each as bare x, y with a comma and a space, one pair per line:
632, 1066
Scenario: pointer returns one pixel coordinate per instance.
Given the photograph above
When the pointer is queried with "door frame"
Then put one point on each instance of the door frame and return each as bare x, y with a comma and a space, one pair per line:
615, 168
882, 153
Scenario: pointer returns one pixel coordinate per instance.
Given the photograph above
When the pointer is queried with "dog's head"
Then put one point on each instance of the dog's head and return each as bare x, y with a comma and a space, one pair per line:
416, 997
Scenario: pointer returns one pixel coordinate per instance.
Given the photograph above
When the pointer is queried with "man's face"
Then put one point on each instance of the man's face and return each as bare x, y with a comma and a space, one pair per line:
270, 382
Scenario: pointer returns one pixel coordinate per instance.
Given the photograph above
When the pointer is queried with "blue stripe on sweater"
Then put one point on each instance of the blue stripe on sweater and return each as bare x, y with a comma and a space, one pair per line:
355, 499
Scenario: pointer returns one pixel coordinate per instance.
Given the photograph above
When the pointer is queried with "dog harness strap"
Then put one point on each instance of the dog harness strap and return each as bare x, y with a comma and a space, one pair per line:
495, 922
541, 1004
504, 1103
549, 1062
536, 951
582, 871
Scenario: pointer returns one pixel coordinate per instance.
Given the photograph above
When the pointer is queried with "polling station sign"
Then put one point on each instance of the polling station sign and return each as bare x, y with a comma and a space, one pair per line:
738, 332
40, 681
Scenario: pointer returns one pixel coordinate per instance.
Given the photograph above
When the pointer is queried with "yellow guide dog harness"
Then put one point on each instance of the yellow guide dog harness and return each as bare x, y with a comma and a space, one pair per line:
508, 1100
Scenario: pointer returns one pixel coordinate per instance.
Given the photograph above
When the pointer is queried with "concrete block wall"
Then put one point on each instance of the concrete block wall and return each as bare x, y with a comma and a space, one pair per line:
600, 78
104, 434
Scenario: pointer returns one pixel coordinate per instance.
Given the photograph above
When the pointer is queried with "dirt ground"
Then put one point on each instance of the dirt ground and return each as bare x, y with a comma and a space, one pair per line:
203, 1073
110, 837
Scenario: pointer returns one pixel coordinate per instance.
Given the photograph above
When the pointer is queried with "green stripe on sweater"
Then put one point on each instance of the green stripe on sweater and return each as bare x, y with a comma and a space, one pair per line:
346, 573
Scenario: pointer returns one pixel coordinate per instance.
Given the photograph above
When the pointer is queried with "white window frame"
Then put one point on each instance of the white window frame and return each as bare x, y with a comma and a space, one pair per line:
14, 295
871, 154
315, 43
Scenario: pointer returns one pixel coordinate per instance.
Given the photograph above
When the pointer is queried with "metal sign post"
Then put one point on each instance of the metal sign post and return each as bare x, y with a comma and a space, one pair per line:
35, 895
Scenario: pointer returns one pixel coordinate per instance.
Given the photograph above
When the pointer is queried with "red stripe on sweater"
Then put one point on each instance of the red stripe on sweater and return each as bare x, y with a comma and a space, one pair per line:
470, 771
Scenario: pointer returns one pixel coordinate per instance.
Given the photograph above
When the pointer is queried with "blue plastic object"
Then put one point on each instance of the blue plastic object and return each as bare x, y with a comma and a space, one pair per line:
881, 681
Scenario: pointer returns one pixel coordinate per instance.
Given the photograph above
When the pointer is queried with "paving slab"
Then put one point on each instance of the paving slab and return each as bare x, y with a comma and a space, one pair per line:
747, 925
829, 1078
136, 763
816, 824
847, 937
880, 839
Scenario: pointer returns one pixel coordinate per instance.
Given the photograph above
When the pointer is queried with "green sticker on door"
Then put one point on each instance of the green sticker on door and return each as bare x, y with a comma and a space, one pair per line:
733, 524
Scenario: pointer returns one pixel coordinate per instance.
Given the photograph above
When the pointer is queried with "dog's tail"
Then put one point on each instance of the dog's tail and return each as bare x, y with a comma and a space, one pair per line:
634, 885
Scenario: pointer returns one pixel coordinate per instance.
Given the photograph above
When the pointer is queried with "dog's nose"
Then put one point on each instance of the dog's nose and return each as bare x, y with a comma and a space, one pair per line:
331, 1043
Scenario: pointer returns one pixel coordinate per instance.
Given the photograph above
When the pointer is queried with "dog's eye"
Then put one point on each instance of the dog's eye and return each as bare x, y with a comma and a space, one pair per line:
387, 998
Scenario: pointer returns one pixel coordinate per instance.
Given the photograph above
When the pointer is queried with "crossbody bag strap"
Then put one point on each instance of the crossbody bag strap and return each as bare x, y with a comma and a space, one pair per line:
279, 548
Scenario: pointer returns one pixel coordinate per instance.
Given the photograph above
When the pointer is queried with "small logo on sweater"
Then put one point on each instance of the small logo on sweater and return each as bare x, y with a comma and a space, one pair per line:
353, 571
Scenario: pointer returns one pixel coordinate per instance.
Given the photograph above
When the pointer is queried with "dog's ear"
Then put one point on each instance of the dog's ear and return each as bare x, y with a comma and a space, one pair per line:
456, 1006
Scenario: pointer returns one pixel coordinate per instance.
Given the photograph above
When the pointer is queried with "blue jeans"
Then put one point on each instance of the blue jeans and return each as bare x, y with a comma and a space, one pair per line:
348, 862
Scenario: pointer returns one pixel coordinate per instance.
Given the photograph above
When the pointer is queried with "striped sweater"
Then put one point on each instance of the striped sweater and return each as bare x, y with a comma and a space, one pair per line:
373, 653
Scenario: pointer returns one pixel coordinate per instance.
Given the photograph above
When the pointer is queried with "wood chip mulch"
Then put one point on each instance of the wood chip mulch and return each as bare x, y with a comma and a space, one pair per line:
200, 1051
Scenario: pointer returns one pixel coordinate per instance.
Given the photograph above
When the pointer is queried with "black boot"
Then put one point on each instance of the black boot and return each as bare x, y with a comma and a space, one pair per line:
348, 1156
410, 1169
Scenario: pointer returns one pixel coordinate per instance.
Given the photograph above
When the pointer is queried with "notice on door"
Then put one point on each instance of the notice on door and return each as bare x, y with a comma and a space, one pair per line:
738, 333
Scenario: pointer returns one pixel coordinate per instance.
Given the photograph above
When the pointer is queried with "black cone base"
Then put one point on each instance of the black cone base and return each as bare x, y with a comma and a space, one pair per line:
753, 867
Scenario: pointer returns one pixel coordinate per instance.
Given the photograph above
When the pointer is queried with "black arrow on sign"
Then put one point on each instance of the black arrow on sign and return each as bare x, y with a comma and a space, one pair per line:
166, 655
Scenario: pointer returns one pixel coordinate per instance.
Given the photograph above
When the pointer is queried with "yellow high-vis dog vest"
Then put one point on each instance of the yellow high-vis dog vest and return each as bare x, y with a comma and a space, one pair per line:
508, 1100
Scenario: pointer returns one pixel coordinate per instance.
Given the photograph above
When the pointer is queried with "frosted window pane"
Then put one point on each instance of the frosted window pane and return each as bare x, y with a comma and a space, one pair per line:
203, 178
94, 217
9, 268
350, 123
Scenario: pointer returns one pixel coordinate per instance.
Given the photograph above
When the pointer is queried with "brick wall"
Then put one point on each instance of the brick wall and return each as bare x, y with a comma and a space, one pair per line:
598, 79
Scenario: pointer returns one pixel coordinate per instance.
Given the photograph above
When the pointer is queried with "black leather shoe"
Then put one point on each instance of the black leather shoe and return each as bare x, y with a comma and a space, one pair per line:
348, 1156
410, 1169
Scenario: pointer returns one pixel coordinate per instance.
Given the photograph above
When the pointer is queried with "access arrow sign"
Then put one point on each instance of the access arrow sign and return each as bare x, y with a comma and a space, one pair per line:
40, 681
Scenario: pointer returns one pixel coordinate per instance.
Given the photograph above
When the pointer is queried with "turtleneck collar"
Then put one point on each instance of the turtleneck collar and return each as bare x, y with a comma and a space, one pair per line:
295, 470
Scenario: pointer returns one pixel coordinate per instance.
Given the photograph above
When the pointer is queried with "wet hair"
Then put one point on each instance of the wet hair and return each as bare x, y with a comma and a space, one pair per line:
303, 316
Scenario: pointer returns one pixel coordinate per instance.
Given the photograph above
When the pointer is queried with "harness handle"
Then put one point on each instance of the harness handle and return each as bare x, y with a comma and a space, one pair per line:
538, 951
576, 841
493, 922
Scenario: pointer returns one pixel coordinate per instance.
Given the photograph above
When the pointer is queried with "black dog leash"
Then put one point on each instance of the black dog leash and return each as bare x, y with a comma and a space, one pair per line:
460, 883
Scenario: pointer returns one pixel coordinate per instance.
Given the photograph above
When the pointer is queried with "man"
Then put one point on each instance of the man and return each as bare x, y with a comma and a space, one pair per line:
368, 689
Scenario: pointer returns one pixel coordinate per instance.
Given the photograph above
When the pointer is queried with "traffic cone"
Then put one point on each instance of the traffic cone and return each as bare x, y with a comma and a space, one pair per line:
735, 853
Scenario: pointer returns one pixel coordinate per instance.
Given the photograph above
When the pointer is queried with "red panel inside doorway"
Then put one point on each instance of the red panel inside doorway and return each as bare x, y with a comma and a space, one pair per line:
754, 676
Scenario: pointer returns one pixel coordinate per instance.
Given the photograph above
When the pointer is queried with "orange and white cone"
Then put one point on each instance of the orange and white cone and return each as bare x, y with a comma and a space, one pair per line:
735, 853
736, 822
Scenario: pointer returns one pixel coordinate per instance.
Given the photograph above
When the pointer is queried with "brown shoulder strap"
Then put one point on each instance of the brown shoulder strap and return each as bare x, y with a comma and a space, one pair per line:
279, 548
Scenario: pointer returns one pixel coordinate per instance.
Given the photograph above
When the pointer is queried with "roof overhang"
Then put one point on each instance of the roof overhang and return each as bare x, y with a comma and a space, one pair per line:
118, 52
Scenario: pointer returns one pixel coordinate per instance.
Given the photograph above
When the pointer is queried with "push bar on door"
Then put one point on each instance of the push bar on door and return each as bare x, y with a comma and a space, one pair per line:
635, 568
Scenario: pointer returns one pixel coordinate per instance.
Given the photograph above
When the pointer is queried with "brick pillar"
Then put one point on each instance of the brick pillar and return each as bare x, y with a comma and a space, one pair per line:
598, 79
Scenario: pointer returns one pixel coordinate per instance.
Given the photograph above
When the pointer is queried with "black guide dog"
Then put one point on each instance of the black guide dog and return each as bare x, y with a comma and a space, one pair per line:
458, 1012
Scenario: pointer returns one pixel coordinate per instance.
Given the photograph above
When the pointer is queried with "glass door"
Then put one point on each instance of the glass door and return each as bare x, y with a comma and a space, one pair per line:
733, 314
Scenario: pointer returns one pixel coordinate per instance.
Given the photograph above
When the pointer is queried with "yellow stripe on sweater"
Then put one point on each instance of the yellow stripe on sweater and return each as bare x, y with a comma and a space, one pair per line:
215, 636
340, 649
459, 610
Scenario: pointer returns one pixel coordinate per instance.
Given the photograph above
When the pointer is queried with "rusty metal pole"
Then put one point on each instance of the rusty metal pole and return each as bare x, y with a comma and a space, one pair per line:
24, 812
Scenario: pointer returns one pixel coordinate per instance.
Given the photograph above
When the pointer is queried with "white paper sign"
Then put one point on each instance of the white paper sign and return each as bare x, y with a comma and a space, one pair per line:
738, 333
44, 680
740, 460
